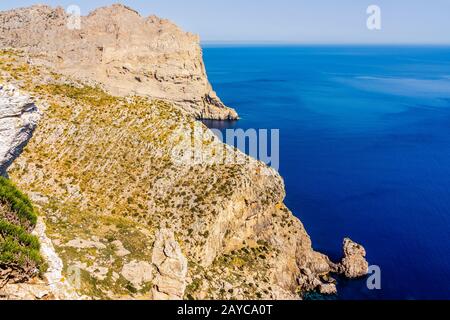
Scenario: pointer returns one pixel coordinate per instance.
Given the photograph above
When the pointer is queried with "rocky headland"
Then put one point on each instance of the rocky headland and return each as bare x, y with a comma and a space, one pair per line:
18, 119
122, 50
129, 206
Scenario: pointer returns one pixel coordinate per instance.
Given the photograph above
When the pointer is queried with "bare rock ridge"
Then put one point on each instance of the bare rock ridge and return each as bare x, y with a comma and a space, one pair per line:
18, 119
116, 47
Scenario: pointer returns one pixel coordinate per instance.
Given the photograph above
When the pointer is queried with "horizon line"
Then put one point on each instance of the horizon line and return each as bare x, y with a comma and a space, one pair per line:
275, 42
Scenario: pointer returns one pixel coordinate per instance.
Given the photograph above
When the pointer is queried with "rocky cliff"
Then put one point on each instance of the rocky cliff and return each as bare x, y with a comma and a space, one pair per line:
115, 46
140, 200
18, 119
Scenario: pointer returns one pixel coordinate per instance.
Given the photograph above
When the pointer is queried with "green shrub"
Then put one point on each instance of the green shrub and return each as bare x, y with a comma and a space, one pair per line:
11, 252
18, 202
17, 246
8, 230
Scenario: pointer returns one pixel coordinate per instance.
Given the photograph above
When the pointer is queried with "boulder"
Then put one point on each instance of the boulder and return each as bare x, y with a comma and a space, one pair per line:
171, 265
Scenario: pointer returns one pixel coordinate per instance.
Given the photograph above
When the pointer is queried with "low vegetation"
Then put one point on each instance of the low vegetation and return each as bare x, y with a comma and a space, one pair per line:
19, 250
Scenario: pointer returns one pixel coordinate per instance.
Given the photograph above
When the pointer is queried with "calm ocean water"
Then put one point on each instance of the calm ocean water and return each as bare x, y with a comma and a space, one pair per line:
364, 151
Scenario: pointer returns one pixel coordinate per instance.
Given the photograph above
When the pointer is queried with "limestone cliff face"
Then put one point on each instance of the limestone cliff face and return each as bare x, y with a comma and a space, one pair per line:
115, 46
18, 119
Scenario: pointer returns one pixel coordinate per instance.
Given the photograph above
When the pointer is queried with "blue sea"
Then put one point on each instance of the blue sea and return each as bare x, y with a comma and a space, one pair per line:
364, 150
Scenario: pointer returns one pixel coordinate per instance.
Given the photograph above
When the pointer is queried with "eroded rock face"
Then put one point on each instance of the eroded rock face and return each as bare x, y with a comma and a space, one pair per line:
354, 263
115, 46
18, 118
171, 265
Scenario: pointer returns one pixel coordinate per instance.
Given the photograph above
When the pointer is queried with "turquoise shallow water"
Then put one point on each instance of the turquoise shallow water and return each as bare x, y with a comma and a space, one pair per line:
364, 150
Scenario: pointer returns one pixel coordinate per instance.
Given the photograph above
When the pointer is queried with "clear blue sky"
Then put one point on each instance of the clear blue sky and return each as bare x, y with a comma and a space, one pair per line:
300, 21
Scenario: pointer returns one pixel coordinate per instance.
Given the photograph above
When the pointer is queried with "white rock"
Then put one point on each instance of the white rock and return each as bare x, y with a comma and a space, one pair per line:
58, 285
18, 119
85, 244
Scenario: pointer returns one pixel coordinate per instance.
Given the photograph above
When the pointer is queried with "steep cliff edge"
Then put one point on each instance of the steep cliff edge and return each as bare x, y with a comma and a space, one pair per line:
115, 46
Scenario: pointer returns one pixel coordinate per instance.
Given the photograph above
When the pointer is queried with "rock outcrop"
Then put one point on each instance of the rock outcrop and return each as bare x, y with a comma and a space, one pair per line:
120, 49
171, 265
354, 263
137, 195
18, 118
54, 284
